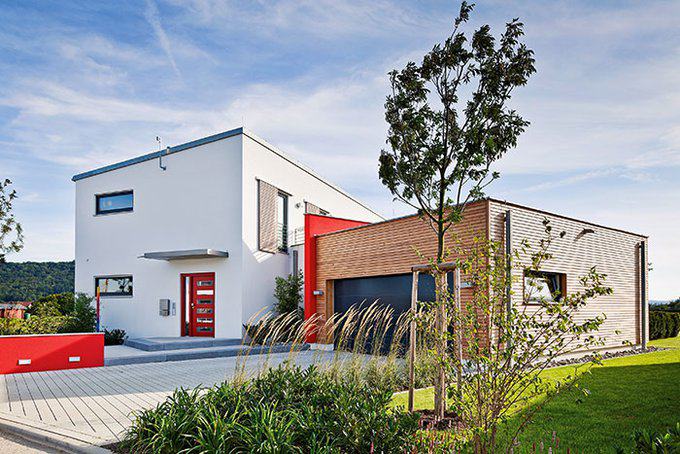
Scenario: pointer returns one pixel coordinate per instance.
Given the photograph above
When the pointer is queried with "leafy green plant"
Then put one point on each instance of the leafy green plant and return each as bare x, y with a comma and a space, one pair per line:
82, 316
650, 442
114, 336
287, 409
288, 294
34, 325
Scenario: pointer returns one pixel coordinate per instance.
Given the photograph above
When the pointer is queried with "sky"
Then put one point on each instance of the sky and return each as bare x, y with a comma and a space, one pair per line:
85, 84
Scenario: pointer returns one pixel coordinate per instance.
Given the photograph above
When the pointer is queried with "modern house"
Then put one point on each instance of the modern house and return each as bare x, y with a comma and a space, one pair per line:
187, 241
350, 263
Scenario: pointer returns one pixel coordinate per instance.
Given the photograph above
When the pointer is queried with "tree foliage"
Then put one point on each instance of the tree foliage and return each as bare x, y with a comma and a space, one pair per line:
30, 281
11, 233
507, 347
449, 120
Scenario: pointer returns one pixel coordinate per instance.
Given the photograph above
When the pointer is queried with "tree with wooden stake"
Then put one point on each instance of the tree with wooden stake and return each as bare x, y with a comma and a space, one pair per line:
442, 144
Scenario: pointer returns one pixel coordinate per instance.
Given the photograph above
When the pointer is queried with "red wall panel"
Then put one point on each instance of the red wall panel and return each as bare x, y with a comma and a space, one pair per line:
50, 352
316, 225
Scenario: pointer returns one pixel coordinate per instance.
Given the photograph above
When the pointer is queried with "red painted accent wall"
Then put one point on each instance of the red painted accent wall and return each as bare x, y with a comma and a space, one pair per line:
317, 225
50, 352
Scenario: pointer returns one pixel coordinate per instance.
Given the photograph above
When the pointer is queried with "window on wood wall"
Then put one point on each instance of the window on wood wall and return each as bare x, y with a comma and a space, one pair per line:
544, 286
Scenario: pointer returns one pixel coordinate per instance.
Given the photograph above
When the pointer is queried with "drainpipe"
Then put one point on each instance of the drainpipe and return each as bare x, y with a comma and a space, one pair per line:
508, 263
643, 293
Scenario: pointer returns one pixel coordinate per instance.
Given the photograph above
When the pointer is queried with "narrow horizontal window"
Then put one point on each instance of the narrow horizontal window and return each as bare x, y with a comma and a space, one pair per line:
113, 285
114, 202
544, 286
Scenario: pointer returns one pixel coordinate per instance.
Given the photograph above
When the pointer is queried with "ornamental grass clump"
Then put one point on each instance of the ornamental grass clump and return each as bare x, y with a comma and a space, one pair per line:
287, 409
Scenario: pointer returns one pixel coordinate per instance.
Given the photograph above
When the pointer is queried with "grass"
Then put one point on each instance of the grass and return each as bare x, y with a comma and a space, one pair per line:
640, 391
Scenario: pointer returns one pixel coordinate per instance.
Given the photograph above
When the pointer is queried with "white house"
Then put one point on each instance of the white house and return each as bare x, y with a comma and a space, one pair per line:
188, 241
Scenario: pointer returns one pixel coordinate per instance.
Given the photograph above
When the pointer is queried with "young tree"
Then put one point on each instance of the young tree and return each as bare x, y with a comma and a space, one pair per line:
11, 233
507, 349
443, 143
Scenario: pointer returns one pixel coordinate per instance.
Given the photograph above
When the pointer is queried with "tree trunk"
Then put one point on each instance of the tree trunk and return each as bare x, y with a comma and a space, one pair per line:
440, 348
440, 326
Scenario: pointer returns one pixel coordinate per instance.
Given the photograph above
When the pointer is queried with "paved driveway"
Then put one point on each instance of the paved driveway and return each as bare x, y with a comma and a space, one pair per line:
94, 405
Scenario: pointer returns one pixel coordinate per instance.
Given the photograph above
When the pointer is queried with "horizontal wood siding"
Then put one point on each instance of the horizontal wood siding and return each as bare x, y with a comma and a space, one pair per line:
612, 252
388, 248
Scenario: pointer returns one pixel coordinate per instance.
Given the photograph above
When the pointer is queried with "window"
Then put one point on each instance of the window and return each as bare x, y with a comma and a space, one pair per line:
544, 287
113, 285
115, 202
282, 222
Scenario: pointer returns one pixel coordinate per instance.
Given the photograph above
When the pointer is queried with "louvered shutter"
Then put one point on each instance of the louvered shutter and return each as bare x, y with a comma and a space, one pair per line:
267, 216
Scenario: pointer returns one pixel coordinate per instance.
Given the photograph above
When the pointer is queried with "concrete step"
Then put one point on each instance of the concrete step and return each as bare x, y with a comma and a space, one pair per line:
155, 344
133, 356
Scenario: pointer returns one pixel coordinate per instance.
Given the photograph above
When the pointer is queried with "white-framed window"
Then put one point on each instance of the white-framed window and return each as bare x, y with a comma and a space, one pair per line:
544, 286
113, 285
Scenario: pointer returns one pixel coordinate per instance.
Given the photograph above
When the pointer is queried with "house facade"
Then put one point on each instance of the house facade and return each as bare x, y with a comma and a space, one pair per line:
364, 263
189, 240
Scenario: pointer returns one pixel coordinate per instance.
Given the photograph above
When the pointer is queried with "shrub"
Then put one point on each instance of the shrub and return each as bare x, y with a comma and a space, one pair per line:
283, 410
288, 294
663, 324
82, 316
114, 336
645, 442
60, 302
33, 325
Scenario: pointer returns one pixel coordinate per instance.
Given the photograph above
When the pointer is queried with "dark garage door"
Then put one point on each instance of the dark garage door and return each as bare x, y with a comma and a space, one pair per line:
394, 291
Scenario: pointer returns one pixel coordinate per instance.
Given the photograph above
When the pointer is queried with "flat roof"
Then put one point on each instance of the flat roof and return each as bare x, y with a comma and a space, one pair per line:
215, 138
503, 202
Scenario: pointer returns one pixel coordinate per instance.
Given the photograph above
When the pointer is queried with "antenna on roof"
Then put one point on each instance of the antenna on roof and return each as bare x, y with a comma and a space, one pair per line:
160, 154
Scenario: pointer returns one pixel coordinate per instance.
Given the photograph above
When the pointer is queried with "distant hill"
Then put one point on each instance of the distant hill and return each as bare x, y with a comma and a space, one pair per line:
28, 281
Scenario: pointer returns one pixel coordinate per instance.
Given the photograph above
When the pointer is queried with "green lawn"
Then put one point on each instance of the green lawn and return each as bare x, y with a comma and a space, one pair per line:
641, 391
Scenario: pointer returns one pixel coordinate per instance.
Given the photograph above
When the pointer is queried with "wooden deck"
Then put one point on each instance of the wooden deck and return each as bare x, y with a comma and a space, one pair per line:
94, 405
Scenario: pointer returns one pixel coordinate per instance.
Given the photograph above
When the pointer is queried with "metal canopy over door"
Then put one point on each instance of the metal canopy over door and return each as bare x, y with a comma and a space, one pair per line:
198, 308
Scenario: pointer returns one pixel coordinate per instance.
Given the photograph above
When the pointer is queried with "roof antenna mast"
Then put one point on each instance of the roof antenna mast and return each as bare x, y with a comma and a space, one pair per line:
160, 154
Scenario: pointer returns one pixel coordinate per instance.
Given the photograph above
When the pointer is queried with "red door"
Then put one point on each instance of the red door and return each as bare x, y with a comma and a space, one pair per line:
199, 304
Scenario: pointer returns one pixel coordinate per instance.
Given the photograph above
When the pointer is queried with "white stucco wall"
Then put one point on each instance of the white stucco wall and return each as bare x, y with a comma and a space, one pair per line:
207, 198
195, 203
262, 161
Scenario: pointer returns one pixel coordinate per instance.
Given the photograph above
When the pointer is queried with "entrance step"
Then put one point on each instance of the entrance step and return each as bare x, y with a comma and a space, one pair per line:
155, 344
117, 355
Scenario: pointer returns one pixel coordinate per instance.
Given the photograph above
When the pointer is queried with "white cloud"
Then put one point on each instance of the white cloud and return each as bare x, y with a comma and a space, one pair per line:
152, 15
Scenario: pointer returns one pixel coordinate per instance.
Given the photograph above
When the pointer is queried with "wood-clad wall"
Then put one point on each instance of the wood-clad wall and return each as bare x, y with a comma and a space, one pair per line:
388, 248
394, 246
611, 251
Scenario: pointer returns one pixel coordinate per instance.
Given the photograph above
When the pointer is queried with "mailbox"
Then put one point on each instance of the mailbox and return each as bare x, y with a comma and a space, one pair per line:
164, 307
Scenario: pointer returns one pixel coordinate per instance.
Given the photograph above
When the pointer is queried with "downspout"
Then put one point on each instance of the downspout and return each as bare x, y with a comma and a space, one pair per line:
643, 294
508, 265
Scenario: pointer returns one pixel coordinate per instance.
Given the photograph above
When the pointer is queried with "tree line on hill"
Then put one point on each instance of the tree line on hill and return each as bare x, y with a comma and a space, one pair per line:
30, 281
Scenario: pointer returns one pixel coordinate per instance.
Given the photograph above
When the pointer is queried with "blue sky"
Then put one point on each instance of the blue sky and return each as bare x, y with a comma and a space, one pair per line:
84, 84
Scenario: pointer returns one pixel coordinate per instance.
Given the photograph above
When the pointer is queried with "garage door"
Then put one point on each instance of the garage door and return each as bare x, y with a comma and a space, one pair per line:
394, 291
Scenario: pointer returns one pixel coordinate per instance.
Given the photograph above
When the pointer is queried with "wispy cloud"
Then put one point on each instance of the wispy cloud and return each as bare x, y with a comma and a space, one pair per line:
153, 16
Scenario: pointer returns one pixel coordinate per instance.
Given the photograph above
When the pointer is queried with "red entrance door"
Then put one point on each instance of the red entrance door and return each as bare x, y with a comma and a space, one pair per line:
199, 304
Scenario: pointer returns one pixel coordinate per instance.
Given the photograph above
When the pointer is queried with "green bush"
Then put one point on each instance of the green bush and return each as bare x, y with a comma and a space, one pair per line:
646, 442
82, 315
114, 336
288, 293
663, 324
283, 410
34, 325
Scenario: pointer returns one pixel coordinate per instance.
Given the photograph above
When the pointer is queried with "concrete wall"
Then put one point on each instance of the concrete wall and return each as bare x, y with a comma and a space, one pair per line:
207, 198
264, 162
195, 203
